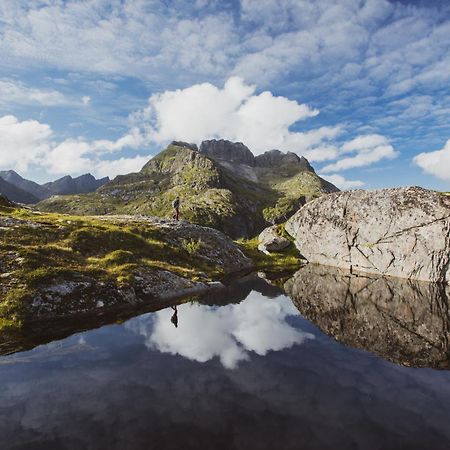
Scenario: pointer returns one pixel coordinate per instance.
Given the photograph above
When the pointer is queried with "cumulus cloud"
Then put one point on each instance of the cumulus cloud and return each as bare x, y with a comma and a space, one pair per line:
235, 112
15, 92
369, 150
28, 144
342, 183
22, 143
231, 332
436, 163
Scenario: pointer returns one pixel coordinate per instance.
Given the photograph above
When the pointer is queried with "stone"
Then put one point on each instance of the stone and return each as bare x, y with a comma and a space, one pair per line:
270, 241
402, 232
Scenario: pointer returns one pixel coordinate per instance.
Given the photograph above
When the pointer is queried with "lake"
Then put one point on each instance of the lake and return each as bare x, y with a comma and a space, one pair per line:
343, 361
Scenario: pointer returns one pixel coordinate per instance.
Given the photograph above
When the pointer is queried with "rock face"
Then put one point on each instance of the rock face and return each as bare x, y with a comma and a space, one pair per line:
271, 241
403, 232
403, 321
276, 158
229, 151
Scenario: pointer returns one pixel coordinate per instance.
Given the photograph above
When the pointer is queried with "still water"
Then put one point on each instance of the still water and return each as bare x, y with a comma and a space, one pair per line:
243, 369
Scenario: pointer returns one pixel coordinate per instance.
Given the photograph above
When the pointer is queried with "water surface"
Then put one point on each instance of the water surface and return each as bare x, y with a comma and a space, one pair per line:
240, 370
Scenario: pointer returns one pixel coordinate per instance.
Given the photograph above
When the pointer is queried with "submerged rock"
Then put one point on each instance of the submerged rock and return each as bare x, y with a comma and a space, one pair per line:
270, 241
403, 232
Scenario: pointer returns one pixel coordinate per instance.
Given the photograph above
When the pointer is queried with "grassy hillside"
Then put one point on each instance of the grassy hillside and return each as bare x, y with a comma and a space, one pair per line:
100, 256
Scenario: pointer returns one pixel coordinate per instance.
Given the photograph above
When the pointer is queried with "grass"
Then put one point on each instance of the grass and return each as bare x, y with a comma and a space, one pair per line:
42, 248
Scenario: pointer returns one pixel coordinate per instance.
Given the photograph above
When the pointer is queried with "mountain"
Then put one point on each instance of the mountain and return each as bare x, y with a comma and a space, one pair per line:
68, 185
16, 194
221, 184
63, 186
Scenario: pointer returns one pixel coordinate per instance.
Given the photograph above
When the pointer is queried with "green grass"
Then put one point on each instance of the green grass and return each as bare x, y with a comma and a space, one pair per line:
47, 247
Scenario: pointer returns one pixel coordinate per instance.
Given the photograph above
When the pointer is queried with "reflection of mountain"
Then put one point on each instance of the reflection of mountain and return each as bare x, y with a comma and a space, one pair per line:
231, 332
402, 321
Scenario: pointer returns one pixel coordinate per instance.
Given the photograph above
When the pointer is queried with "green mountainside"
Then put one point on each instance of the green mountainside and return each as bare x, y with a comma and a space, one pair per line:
221, 185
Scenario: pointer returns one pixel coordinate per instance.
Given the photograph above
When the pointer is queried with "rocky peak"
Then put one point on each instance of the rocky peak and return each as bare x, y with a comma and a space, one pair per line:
185, 145
277, 158
229, 151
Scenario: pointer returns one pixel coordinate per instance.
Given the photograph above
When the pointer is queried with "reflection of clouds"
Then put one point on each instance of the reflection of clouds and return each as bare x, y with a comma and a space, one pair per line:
230, 332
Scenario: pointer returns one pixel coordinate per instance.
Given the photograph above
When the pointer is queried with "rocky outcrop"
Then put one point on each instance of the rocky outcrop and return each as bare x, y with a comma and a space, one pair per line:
275, 158
404, 321
103, 263
229, 151
403, 232
270, 241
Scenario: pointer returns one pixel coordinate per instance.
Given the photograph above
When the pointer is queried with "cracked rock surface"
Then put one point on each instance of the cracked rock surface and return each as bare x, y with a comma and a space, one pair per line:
402, 232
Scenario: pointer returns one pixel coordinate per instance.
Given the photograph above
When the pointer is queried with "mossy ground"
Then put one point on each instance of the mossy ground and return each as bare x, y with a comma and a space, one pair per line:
42, 247
286, 260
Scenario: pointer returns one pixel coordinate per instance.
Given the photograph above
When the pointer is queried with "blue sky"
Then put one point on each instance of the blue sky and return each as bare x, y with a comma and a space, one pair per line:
359, 87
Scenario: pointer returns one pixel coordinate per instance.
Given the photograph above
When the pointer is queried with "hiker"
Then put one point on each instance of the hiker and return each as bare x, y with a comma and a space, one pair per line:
176, 207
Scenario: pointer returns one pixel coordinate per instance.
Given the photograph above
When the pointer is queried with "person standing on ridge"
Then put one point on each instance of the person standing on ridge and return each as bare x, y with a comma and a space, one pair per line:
176, 207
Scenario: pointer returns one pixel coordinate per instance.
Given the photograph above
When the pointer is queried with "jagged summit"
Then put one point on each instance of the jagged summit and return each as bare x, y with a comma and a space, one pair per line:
229, 151
237, 152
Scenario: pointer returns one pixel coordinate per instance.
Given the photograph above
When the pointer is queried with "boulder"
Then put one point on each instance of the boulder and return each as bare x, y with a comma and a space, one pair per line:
402, 232
270, 241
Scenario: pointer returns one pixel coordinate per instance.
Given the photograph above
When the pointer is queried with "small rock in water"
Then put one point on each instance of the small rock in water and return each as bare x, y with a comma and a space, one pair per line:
271, 241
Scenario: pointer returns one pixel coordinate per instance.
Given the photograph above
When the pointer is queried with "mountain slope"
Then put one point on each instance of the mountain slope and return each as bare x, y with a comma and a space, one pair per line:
16, 194
63, 186
221, 185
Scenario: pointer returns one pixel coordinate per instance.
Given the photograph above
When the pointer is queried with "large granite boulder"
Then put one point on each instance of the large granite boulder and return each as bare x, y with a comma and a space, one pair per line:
402, 232
270, 241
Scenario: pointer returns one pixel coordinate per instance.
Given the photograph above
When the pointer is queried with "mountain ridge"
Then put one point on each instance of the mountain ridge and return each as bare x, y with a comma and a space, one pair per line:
216, 184
62, 186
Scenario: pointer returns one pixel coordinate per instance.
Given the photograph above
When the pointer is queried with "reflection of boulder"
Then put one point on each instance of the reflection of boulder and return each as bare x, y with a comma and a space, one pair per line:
403, 321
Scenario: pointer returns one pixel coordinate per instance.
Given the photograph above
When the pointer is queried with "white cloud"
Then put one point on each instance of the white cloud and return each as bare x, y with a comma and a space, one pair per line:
369, 150
262, 121
231, 332
22, 143
86, 100
31, 144
15, 92
342, 183
436, 163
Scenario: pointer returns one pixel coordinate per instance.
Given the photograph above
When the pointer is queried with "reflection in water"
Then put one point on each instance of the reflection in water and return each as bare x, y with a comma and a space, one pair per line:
401, 320
140, 385
229, 332
174, 318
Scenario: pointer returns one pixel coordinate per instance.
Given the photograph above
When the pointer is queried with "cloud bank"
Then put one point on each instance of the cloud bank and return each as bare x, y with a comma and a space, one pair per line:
436, 163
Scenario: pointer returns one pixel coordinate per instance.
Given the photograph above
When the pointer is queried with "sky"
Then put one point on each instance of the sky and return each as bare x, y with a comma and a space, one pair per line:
359, 87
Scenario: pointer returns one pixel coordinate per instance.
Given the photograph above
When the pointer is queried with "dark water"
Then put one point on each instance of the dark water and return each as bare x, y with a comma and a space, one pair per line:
241, 370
